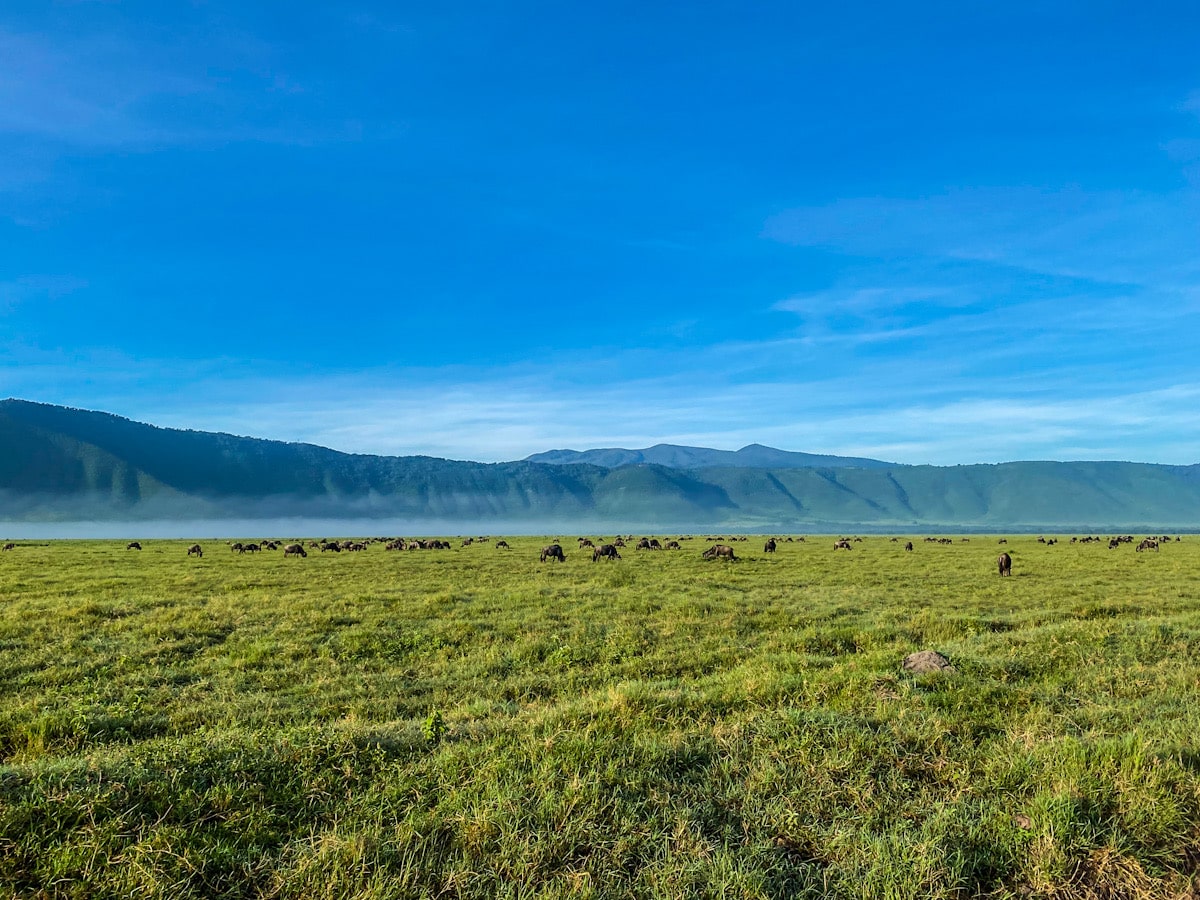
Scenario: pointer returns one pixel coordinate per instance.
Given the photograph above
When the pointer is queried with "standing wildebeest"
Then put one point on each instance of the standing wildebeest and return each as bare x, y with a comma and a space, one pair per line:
605, 551
195, 550
554, 551
239, 547
1004, 564
843, 544
1147, 544
769, 546
294, 550
10, 546
585, 542
908, 546
502, 545
721, 551
133, 545
672, 545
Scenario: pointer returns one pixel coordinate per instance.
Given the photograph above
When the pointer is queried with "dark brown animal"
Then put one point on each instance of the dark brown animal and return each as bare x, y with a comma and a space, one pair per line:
908, 546
843, 544
554, 551
502, 545
769, 546
10, 546
1147, 544
605, 551
133, 545
294, 550
195, 550
672, 545
1004, 564
719, 551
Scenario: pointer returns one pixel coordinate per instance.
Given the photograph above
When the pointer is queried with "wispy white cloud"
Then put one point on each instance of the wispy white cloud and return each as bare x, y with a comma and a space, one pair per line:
109, 90
891, 412
1128, 237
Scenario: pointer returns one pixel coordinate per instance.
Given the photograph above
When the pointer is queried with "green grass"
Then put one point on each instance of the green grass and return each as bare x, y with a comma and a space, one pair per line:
472, 723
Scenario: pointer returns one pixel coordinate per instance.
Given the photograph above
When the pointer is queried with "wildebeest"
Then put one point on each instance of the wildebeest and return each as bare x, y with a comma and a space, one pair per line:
502, 545
605, 551
1004, 564
672, 545
251, 548
719, 551
239, 547
195, 550
843, 544
1147, 544
10, 546
908, 546
133, 545
585, 542
294, 550
769, 546
554, 551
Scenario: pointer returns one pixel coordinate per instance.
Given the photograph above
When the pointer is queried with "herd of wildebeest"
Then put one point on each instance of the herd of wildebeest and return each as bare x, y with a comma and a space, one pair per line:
721, 546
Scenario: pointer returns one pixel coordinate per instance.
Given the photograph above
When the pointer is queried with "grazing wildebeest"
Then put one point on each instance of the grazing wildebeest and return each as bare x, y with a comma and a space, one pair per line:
719, 551
294, 550
502, 545
1004, 564
251, 548
605, 551
554, 551
585, 542
133, 545
10, 546
195, 550
672, 545
643, 544
843, 544
769, 546
239, 547
1147, 544
908, 546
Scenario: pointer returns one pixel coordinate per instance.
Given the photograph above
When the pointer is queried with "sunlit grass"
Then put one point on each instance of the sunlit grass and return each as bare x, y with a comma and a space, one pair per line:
473, 723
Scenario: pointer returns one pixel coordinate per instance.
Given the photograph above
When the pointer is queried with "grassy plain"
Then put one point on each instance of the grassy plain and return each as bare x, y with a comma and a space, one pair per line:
472, 723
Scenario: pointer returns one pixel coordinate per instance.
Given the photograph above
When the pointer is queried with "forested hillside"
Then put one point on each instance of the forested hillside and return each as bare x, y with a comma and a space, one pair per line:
60, 463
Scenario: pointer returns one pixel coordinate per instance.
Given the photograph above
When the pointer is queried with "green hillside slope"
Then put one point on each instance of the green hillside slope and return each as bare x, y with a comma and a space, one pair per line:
61, 463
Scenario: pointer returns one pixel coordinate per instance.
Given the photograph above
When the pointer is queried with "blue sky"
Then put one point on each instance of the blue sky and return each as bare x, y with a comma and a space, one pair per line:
925, 232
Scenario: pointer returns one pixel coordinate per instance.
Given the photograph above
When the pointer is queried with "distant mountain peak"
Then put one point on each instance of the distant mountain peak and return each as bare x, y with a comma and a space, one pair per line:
682, 457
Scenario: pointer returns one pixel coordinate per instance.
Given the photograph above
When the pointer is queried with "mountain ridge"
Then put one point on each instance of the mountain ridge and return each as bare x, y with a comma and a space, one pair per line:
62, 464
757, 456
